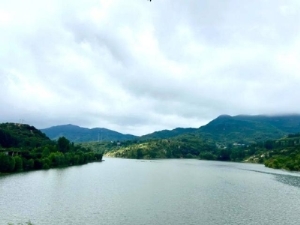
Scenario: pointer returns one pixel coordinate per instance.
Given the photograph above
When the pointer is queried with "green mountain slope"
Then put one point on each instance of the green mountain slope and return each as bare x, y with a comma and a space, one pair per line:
225, 138
224, 130
21, 135
250, 129
183, 146
80, 134
283, 153
287, 123
168, 133
245, 129
23, 148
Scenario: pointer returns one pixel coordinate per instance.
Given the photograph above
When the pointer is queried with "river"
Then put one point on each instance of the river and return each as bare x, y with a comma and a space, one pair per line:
144, 192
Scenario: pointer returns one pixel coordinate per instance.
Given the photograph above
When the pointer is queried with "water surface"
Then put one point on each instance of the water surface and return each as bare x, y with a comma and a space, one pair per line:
127, 192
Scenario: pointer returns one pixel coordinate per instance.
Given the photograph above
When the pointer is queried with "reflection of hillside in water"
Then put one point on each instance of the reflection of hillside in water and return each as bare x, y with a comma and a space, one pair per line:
289, 180
292, 180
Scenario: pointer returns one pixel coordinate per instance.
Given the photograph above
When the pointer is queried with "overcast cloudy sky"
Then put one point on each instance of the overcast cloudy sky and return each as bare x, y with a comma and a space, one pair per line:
137, 66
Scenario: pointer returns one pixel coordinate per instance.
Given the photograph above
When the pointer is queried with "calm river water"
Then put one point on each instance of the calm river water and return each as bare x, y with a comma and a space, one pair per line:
136, 192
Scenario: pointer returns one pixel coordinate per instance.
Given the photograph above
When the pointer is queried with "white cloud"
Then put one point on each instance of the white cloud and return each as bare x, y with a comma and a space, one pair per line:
136, 66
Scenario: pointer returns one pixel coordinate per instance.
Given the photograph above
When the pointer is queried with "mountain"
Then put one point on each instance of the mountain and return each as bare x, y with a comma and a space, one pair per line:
286, 123
182, 146
224, 130
21, 135
250, 129
168, 133
227, 129
80, 134
24, 148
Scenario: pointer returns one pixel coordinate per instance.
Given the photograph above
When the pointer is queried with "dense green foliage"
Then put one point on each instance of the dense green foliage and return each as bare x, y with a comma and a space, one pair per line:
242, 129
21, 136
283, 153
289, 124
229, 138
237, 129
25, 148
184, 146
78, 134
164, 134
224, 129
102, 146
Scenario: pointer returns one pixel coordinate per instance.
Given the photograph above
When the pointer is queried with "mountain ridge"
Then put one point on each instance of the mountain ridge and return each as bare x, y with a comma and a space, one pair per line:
76, 133
223, 129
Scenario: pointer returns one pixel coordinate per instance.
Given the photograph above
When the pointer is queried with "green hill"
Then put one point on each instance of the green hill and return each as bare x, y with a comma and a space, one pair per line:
21, 136
224, 130
244, 129
23, 147
250, 129
79, 134
225, 138
229, 138
286, 123
283, 153
183, 146
167, 133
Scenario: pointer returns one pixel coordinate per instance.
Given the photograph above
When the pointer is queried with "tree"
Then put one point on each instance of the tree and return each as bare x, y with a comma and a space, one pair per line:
18, 163
45, 152
207, 156
7, 163
139, 154
63, 144
269, 144
224, 155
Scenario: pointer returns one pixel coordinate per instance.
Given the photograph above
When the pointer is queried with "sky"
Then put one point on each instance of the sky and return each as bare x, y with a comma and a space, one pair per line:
137, 66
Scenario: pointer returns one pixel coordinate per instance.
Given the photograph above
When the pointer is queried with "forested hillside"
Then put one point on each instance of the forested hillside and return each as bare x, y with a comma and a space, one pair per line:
21, 136
282, 153
224, 130
250, 129
78, 134
168, 133
185, 146
229, 138
23, 147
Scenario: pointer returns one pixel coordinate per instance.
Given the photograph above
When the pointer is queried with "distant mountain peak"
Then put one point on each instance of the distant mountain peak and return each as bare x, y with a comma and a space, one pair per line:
249, 128
80, 134
224, 116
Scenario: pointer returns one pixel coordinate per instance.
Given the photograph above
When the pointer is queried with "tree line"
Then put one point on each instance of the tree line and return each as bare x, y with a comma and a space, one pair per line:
282, 153
56, 154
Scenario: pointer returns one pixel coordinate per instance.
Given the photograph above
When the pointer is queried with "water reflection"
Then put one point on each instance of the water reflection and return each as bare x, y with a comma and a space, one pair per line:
288, 179
282, 177
160, 192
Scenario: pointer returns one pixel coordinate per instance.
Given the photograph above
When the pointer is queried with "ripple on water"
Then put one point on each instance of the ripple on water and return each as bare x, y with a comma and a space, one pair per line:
122, 191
